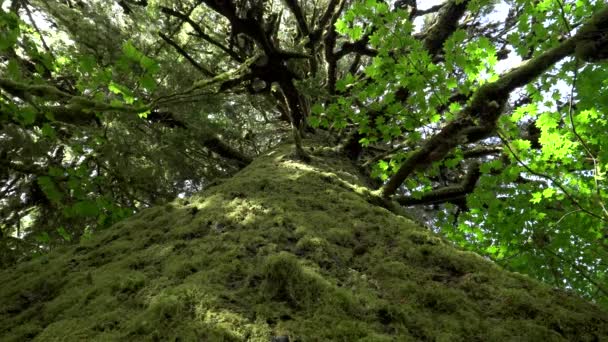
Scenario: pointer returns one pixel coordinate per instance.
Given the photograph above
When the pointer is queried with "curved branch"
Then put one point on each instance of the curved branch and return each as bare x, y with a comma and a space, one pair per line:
479, 118
451, 193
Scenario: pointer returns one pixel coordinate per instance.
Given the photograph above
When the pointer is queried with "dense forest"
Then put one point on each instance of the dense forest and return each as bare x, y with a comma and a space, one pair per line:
303, 170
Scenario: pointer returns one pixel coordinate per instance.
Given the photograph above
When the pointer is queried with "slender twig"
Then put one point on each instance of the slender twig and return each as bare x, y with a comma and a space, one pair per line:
387, 154
551, 179
563, 17
582, 272
585, 146
184, 54
566, 214
46, 47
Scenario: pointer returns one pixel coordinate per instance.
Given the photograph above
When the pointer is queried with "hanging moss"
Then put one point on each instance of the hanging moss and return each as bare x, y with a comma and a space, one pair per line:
282, 249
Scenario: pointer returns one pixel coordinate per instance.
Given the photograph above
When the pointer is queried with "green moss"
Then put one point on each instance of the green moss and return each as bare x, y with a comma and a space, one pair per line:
283, 248
285, 279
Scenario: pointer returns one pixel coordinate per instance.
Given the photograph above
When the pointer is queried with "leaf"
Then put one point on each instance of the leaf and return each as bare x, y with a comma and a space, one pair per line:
86, 63
524, 111
150, 65
28, 115
43, 238
536, 197
317, 108
50, 189
122, 90
64, 234
148, 82
341, 26
9, 30
356, 32
48, 131
131, 52
383, 165
85, 209
548, 192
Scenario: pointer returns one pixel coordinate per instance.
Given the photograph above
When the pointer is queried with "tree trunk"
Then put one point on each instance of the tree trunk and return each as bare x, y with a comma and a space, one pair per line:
283, 251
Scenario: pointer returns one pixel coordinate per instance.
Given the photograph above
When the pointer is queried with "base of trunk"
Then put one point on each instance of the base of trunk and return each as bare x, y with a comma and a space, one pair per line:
283, 250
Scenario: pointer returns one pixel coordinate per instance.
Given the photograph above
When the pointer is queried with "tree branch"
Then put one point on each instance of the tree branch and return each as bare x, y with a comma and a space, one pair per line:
184, 54
447, 194
433, 9
295, 8
329, 15
478, 119
78, 110
447, 22
200, 32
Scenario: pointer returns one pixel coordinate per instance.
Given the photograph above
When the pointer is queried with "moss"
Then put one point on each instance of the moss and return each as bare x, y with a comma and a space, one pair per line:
285, 279
24, 332
283, 248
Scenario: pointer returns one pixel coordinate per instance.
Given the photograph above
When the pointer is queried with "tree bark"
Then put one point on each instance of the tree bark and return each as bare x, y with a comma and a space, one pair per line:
284, 250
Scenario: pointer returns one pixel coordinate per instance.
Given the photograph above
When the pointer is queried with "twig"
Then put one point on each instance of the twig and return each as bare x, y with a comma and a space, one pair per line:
46, 47
585, 146
551, 179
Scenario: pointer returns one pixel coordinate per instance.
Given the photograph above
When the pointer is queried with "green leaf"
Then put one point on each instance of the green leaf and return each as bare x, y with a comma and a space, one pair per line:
122, 90
148, 82
536, 197
548, 192
317, 108
150, 65
48, 131
28, 115
64, 234
383, 165
85, 209
341, 26
87, 64
131, 52
50, 189
9, 30
43, 238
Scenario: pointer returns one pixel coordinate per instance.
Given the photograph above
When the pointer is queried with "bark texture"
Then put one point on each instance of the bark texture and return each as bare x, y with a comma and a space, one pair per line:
284, 249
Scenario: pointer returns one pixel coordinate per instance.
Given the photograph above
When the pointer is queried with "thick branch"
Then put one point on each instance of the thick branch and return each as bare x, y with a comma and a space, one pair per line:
447, 194
447, 22
78, 110
251, 25
329, 14
360, 47
433, 9
295, 8
478, 119
215, 144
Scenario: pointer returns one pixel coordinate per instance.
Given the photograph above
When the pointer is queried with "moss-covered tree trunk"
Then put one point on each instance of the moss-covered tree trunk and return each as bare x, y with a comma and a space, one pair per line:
284, 249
